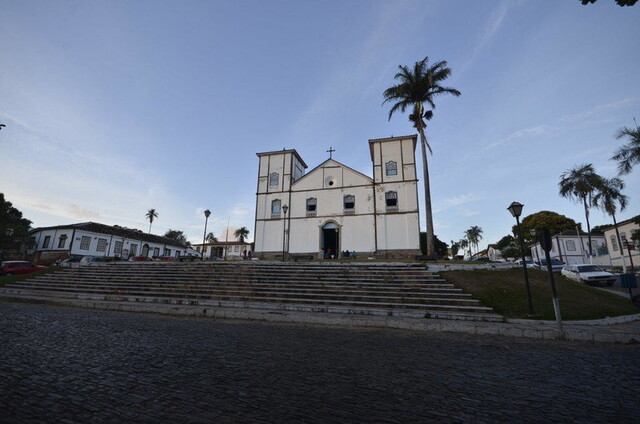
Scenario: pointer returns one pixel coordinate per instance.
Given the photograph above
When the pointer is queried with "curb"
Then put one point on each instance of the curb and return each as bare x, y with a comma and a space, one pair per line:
604, 321
521, 329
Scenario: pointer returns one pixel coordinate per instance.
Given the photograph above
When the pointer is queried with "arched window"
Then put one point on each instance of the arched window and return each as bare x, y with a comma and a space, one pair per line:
391, 201
275, 208
392, 168
349, 204
312, 204
274, 178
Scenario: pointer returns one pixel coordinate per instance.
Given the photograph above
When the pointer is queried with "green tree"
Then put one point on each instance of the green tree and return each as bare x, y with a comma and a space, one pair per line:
417, 87
211, 238
619, 2
580, 184
511, 251
474, 235
608, 198
151, 215
464, 243
442, 248
14, 229
241, 234
628, 154
177, 236
455, 246
505, 241
599, 229
552, 221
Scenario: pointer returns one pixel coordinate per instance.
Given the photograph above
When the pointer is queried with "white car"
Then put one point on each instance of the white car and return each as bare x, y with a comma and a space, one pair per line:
589, 274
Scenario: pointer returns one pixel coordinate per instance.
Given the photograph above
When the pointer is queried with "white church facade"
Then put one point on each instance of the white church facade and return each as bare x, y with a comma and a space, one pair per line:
334, 208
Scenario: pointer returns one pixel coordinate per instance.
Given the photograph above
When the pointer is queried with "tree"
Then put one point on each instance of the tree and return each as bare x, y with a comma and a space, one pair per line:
505, 241
474, 235
151, 215
619, 2
454, 249
211, 238
580, 184
416, 87
241, 233
552, 221
599, 229
464, 243
441, 248
178, 236
628, 154
511, 251
608, 198
14, 229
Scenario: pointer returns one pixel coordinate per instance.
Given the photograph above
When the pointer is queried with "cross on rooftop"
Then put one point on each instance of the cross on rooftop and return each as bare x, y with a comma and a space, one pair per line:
330, 151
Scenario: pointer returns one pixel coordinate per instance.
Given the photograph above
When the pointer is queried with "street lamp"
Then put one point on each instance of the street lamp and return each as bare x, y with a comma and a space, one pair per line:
207, 213
285, 208
516, 209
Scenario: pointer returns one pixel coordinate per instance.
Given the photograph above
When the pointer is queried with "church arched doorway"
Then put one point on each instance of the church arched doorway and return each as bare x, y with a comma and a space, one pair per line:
330, 240
145, 250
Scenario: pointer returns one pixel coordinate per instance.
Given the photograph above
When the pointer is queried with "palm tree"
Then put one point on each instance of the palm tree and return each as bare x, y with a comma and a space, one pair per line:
241, 233
463, 245
151, 215
211, 238
628, 154
580, 184
416, 87
608, 196
474, 235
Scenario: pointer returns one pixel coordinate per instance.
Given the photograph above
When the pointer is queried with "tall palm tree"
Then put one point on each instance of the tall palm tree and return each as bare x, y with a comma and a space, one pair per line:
474, 235
151, 215
608, 197
241, 233
463, 245
416, 87
580, 184
211, 238
628, 154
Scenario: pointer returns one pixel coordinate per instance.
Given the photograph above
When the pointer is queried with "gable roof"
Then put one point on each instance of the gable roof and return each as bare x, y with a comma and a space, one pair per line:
115, 230
338, 164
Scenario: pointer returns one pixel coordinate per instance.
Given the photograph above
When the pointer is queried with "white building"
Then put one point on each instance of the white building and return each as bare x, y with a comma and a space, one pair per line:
334, 208
94, 239
223, 249
615, 254
569, 247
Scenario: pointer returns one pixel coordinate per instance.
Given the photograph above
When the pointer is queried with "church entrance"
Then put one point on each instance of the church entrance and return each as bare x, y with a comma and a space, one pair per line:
330, 240
145, 250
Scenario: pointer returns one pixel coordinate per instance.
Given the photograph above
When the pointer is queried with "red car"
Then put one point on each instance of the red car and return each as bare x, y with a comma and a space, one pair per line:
19, 267
139, 259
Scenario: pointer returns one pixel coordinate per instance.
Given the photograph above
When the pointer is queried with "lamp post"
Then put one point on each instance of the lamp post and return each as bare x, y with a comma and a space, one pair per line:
516, 209
285, 208
207, 213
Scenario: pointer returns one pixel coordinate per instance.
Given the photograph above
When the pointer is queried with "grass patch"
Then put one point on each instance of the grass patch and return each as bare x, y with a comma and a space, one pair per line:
11, 278
506, 293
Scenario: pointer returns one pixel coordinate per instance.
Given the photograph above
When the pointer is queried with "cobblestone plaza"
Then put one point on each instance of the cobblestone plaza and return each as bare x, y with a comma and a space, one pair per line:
85, 366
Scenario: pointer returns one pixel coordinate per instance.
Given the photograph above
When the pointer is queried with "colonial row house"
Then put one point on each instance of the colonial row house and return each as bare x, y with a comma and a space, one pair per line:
94, 239
225, 250
629, 251
333, 208
571, 248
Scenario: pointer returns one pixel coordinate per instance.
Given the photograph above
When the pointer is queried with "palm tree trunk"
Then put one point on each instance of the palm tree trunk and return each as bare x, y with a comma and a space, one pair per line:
427, 194
586, 215
150, 222
624, 264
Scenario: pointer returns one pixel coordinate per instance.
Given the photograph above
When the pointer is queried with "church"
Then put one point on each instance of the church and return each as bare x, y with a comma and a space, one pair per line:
334, 208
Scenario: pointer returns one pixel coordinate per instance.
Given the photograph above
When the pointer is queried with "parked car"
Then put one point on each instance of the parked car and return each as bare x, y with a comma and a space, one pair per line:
91, 259
589, 274
140, 259
484, 259
67, 262
19, 267
556, 264
530, 264
164, 258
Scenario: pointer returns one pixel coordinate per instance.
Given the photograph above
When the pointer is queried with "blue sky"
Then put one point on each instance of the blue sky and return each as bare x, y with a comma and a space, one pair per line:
113, 108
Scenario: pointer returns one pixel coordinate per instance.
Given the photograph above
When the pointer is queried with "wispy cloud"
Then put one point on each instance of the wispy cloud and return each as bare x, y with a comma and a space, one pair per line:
457, 201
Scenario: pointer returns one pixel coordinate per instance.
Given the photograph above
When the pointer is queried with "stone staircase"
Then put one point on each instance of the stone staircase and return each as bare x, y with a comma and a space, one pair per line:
401, 290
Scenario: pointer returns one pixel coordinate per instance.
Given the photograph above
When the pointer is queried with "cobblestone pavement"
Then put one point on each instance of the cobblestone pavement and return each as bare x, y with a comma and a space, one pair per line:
68, 365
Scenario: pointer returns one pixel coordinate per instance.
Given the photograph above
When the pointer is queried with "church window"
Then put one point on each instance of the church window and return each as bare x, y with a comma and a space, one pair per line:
273, 179
117, 248
156, 251
102, 245
62, 241
85, 242
134, 249
391, 200
349, 204
312, 204
571, 246
46, 242
275, 208
392, 168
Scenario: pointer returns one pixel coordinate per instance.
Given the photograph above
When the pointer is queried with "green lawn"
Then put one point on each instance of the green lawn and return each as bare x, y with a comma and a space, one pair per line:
506, 293
10, 279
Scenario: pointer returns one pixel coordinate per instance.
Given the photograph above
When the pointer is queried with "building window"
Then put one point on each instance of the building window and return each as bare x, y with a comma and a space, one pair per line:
312, 204
392, 168
349, 204
571, 245
167, 252
275, 208
391, 199
117, 248
614, 243
134, 249
274, 179
156, 251
85, 242
102, 245
236, 248
46, 242
623, 239
62, 241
